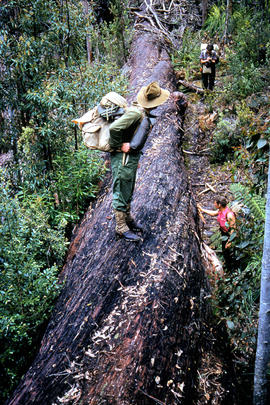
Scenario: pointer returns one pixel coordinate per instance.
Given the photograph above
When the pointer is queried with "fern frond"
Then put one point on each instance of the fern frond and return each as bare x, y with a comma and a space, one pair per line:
254, 202
216, 20
255, 265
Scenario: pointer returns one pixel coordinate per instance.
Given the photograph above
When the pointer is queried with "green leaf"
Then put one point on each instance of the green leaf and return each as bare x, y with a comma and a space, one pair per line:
261, 143
242, 245
230, 324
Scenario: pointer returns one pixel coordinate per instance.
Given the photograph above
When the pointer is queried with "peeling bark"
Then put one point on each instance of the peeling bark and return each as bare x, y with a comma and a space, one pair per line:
130, 326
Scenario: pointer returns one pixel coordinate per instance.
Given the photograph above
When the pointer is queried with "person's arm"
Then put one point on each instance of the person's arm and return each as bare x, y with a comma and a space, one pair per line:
203, 61
118, 126
231, 222
214, 58
208, 212
204, 58
231, 219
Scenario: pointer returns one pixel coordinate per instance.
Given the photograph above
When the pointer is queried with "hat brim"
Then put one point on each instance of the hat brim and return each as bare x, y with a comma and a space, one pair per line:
144, 102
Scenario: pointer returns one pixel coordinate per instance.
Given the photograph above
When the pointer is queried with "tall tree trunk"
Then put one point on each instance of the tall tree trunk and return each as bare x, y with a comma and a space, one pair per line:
132, 323
261, 394
88, 42
229, 8
204, 10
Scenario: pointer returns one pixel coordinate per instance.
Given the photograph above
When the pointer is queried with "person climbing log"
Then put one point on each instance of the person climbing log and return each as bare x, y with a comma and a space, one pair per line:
125, 162
208, 59
226, 220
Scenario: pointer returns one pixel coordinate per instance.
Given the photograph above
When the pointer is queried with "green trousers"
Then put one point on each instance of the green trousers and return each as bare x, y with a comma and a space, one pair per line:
124, 177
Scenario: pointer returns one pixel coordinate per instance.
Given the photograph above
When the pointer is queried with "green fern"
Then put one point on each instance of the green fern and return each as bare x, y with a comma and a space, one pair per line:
254, 266
215, 22
254, 202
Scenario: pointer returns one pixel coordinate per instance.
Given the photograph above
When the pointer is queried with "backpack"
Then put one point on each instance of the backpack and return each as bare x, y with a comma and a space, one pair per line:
204, 46
95, 124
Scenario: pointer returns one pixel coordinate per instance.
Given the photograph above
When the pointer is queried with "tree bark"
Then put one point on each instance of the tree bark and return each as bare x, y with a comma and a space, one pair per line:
87, 39
229, 9
132, 323
261, 394
204, 10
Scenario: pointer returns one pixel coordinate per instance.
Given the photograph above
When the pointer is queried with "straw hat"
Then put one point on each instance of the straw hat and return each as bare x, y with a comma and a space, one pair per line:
152, 95
113, 98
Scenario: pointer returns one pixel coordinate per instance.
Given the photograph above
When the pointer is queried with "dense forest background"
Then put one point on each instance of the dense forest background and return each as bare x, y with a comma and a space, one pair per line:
57, 59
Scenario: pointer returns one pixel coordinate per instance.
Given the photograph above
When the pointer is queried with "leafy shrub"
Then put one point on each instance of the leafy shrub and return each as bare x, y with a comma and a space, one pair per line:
215, 23
226, 137
77, 176
250, 235
46, 81
31, 253
247, 53
237, 303
245, 80
62, 97
244, 137
251, 36
238, 293
188, 55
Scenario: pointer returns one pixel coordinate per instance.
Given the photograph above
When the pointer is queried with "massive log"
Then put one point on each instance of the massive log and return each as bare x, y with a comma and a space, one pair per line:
130, 326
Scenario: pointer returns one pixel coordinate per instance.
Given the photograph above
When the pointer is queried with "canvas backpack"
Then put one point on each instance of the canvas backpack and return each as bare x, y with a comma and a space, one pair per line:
95, 124
204, 46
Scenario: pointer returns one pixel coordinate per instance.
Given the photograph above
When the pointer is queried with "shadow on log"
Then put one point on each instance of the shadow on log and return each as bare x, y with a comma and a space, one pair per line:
130, 326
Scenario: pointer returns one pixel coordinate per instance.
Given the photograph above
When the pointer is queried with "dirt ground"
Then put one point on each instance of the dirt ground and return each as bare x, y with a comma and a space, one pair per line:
207, 180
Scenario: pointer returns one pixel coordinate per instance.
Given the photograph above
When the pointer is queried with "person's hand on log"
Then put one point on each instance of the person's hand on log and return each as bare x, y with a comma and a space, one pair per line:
200, 209
125, 147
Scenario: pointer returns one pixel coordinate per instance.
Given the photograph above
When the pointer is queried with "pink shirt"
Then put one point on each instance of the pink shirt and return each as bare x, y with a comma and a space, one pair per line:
222, 219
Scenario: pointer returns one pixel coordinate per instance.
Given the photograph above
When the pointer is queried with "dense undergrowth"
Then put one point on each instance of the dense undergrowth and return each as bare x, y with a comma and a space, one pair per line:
240, 145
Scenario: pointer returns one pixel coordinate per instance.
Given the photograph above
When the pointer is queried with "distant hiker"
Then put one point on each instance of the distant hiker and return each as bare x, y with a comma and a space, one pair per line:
226, 220
180, 101
208, 59
124, 160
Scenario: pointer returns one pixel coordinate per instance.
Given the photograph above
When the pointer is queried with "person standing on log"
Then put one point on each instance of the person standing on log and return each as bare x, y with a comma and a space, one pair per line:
226, 220
125, 162
208, 59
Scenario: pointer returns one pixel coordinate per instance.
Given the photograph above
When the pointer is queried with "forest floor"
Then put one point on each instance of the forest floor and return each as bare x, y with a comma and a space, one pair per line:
207, 179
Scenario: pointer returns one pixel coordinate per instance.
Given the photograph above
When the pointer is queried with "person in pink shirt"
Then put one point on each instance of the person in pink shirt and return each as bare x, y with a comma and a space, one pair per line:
226, 219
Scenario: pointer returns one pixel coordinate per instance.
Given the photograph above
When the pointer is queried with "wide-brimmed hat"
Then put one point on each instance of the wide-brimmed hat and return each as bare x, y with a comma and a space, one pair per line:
113, 98
152, 95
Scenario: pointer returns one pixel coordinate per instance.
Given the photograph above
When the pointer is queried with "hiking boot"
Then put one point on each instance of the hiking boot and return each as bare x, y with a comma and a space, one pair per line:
131, 223
130, 236
122, 230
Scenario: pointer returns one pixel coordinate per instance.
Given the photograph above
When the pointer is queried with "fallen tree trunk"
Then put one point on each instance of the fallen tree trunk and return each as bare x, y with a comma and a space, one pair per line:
191, 86
130, 324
